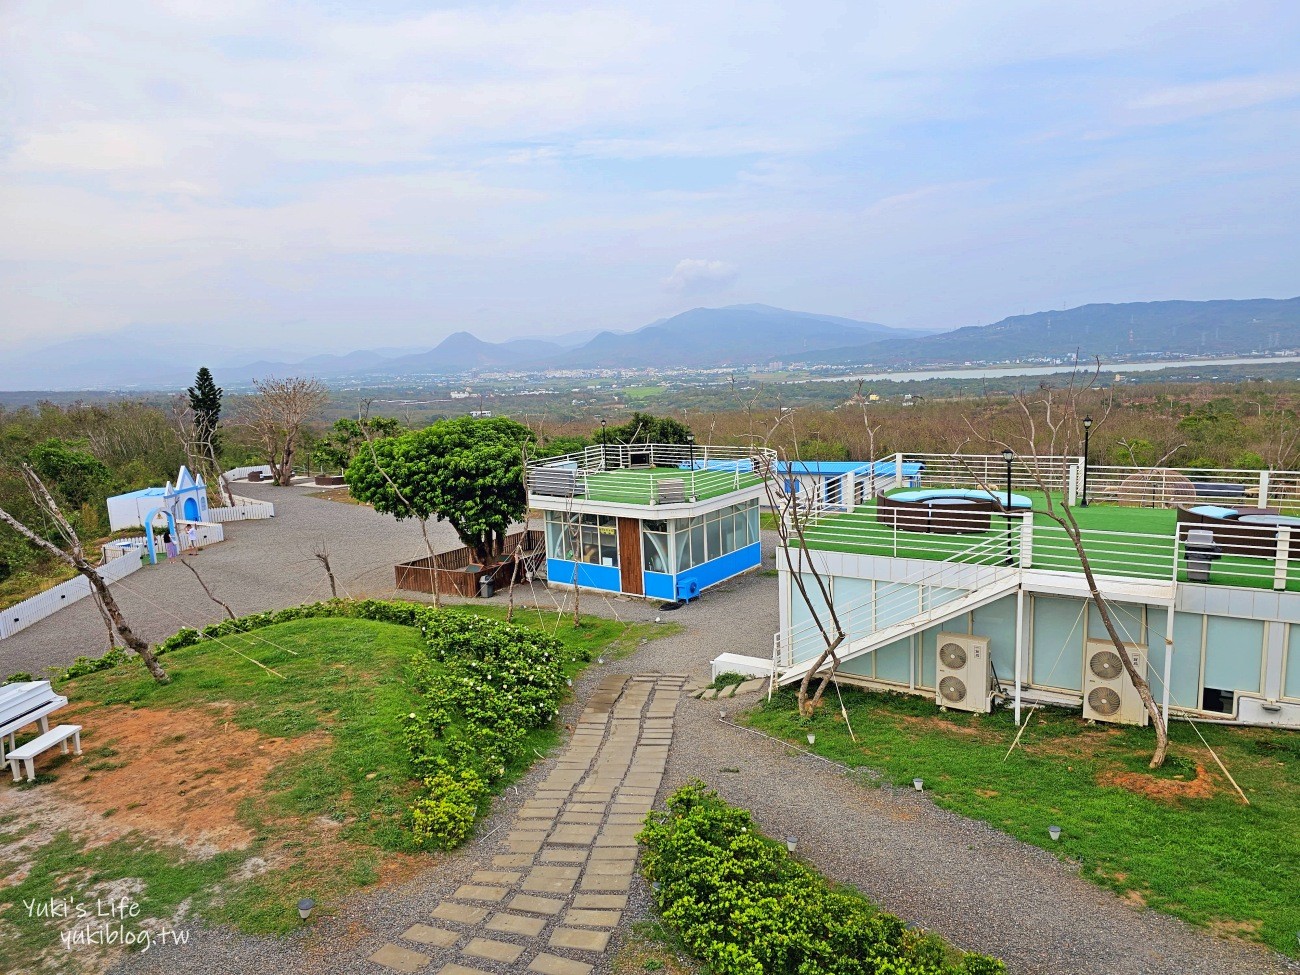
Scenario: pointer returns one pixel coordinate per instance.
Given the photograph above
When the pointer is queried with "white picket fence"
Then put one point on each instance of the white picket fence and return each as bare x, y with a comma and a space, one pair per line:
239, 473
244, 509
29, 611
206, 533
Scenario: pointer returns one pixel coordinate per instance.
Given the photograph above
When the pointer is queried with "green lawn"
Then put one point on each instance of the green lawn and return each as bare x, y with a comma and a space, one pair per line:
643, 394
637, 486
1211, 860
1119, 553
345, 685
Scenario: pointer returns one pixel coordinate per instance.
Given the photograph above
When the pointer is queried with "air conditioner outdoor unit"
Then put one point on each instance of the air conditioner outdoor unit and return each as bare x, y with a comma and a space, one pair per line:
1108, 694
962, 672
688, 588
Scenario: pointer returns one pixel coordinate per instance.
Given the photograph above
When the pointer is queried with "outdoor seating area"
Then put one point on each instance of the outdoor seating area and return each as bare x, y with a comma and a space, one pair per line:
456, 573
26, 703
945, 511
1254, 532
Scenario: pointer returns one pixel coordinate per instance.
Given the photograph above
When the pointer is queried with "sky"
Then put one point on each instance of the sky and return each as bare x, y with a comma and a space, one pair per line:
335, 175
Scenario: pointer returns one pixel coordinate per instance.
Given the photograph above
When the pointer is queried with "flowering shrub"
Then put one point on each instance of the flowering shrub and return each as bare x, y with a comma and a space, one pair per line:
483, 686
744, 906
444, 816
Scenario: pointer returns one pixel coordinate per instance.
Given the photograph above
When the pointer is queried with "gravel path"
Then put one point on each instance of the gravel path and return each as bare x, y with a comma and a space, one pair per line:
977, 887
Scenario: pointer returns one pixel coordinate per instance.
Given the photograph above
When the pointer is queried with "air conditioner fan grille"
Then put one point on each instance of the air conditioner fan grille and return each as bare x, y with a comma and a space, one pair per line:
1104, 701
1106, 664
952, 689
953, 656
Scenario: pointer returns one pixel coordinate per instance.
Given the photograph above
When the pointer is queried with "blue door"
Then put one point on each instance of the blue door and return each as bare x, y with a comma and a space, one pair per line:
191, 510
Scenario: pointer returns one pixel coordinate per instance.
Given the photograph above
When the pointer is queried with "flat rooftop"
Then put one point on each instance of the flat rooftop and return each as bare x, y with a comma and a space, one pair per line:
638, 486
1131, 542
635, 474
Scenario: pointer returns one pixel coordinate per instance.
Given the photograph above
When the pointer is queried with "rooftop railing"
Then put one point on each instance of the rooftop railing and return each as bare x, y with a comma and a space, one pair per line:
1158, 487
1227, 552
648, 474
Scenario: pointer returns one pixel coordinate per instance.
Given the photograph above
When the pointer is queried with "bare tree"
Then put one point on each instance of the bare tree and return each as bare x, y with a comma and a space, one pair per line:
230, 613
322, 554
75, 556
276, 415
790, 524
1051, 423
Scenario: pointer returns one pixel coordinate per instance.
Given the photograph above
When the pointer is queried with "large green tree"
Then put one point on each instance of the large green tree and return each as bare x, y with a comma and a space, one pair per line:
336, 449
79, 476
467, 472
646, 428
205, 400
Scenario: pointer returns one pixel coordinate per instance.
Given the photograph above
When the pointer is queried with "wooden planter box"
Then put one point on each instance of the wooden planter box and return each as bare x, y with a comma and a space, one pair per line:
254, 475
459, 575
329, 480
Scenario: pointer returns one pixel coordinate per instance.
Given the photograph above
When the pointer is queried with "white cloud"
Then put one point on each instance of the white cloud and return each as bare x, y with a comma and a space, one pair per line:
693, 276
537, 162
1180, 102
90, 147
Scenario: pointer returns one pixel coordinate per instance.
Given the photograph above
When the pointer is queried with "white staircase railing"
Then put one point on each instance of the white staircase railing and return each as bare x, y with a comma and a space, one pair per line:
914, 598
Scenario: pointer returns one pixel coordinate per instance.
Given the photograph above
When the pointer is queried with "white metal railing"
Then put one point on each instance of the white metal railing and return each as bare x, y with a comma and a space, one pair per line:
649, 473
1110, 553
892, 603
1252, 555
923, 534
1172, 486
986, 470
1257, 556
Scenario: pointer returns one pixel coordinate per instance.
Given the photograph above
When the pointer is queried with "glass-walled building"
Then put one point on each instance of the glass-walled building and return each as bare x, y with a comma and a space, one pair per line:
666, 525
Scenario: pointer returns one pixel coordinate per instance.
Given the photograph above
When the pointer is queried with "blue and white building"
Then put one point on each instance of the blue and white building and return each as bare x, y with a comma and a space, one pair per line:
185, 499
652, 520
946, 592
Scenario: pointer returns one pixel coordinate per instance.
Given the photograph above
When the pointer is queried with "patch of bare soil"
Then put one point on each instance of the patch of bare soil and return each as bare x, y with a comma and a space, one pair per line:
1164, 790
341, 494
942, 725
1237, 930
178, 776
1085, 744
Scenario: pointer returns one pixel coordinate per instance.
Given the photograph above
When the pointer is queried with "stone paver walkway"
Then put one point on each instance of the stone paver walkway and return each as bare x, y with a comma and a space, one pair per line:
553, 895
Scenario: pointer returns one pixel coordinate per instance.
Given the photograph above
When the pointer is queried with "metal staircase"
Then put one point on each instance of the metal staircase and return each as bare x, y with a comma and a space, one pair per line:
900, 609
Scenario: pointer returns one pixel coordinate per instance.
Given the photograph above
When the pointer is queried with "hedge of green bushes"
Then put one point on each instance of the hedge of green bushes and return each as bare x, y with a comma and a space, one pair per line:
743, 905
484, 685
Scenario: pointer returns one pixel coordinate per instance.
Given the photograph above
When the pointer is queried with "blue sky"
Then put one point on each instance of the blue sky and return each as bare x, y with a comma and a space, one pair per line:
331, 176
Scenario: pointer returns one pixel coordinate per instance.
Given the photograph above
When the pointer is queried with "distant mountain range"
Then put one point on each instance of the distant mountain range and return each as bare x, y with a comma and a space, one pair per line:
737, 335
1192, 328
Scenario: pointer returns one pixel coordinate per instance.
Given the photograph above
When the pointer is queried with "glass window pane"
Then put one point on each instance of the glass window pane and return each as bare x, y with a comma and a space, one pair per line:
683, 544
753, 524
654, 547
699, 553
609, 543
590, 545
728, 535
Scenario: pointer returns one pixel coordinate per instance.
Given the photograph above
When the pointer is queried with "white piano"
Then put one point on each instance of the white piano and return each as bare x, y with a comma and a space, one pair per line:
24, 703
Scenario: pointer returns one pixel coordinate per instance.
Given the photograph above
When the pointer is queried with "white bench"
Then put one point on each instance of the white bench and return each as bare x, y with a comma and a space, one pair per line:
27, 753
24, 703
